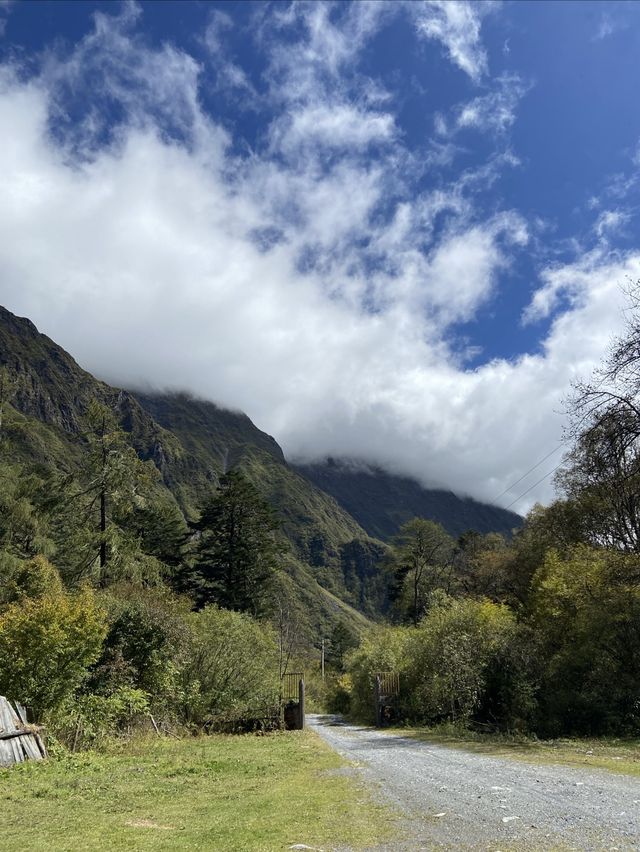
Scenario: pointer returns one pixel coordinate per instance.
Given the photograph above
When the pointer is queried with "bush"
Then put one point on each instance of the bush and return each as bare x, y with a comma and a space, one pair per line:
450, 655
46, 645
90, 721
32, 579
382, 649
339, 695
586, 610
144, 645
230, 672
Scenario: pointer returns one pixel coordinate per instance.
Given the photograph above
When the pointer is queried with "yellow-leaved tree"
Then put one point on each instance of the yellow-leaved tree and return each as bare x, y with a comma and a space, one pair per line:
48, 638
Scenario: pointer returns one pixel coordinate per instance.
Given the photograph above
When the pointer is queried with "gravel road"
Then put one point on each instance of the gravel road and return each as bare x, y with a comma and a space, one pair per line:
453, 799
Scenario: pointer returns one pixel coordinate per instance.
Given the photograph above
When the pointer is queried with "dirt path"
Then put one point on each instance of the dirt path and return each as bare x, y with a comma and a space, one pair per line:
453, 799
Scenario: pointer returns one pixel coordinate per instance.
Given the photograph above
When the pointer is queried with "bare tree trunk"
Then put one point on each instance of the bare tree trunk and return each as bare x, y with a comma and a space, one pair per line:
103, 530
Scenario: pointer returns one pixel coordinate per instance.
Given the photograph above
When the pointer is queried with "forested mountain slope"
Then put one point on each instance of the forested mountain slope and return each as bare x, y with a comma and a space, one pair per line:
337, 550
332, 516
330, 561
381, 502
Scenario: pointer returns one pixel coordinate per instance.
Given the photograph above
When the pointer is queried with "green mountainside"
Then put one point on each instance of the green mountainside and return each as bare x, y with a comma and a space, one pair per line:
330, 562
334, 517
381, 502
340, 555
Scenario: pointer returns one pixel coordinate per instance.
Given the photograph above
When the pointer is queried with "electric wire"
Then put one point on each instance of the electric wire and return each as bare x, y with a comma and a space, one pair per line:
524, 475
542, 479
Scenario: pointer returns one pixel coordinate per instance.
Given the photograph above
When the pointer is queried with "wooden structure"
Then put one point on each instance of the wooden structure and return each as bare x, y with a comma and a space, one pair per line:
386, 691
19, 741
292, 701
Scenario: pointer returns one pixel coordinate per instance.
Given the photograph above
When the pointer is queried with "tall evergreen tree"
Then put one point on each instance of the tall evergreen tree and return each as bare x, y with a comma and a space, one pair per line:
237, 554
113, 482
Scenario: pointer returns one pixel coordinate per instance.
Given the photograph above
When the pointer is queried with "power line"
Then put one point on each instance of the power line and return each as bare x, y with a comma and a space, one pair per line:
524, 475
542, 479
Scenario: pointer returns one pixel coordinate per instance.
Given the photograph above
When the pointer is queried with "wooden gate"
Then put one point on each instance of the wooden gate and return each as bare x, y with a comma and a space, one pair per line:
292, 701
386, 691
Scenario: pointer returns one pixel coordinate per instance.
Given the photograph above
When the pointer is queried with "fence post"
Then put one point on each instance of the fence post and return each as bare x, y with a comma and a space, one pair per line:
301, 704
376, 696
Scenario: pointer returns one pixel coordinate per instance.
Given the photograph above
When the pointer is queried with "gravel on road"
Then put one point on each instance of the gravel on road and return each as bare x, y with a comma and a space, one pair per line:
454, 799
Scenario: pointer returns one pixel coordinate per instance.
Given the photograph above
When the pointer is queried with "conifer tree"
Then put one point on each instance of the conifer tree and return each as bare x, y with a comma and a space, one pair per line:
237, 555
116, 477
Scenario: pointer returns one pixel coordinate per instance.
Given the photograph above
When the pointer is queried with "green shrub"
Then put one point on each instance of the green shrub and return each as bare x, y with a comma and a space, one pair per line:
450, 654
382, 649
144, 646
90, 721
46, 645
230, 671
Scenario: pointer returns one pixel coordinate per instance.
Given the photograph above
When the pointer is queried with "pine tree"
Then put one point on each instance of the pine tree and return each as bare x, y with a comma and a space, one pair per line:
237, 555
114, 480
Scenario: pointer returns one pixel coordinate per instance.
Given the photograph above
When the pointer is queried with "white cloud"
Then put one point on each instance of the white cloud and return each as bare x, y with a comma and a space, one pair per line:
336, 126
461, 274
574, 283
229, 75
608, 25
494, 112
315, 65
610, 222
456, 24
155, 87
143, 257
5, 8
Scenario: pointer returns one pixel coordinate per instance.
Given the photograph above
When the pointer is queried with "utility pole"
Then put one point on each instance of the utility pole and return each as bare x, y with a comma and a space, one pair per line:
322, 660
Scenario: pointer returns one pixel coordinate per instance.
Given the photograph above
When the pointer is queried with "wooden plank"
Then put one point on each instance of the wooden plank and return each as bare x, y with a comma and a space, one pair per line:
6, 754
18, 756
21, 711
5, 719
10, 735
40, 744
28, 744
8, 718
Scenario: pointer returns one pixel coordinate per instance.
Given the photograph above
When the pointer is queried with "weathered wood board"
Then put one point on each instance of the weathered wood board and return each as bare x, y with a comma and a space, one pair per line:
18, 741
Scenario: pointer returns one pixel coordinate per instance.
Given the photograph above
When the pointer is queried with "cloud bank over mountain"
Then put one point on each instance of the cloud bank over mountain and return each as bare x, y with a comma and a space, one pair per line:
326, 278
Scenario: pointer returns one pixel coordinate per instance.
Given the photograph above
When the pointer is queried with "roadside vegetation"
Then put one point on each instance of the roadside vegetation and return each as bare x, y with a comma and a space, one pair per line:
609, 753
538, 634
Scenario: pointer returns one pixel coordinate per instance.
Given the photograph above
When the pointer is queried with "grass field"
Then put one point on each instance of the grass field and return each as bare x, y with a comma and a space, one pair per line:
614, 755
213, 793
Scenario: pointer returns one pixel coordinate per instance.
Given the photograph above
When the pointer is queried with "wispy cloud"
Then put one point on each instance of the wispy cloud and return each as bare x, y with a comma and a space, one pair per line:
611, 222
608, 25
494, 112
230, 76
5, 9
456, 24
333, 126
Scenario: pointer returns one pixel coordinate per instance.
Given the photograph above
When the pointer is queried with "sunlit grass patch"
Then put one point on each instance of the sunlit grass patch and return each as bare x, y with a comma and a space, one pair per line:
615, 755
218, 793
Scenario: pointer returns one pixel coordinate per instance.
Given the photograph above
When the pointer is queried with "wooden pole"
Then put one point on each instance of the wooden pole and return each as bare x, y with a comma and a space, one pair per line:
301, 704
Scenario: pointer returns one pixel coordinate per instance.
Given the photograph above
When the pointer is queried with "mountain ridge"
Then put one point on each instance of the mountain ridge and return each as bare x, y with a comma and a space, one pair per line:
333, 524
49, 400
392, 500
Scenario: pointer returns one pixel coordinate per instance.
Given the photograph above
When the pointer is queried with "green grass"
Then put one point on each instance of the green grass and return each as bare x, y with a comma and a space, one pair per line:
215, 793
614, 755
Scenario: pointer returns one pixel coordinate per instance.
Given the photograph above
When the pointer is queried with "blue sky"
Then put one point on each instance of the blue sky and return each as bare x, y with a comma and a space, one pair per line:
394, 231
